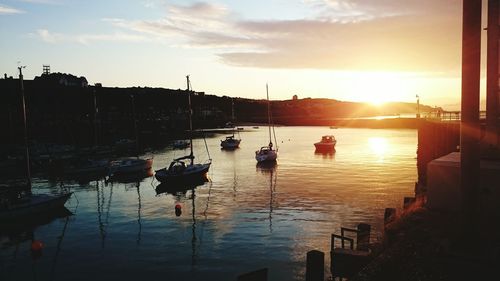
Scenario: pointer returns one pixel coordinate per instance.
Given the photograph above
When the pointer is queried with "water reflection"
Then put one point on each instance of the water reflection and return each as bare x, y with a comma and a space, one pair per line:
325, 153
14, 234
269, 168
130, 177
379, 146
139, 205
103, 218
180, 187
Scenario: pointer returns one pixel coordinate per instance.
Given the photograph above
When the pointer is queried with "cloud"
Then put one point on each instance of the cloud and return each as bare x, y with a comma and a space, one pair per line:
5, 10
53, 38
411, 35
51, 2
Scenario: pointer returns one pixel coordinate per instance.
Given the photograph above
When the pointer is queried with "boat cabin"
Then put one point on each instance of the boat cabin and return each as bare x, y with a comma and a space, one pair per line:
327, 139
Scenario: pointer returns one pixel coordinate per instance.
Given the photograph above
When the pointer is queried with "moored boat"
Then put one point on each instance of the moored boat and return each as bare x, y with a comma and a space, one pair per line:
179, 170
327, 143
31, 204
267, 153
130, 166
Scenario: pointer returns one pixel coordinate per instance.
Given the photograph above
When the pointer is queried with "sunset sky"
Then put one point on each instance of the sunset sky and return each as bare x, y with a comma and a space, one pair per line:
353, 50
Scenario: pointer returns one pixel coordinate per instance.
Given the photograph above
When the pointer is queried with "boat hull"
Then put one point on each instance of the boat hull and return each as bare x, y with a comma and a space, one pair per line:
269, 156
324, 146
35, 204
230, 144
192, 172
131, 166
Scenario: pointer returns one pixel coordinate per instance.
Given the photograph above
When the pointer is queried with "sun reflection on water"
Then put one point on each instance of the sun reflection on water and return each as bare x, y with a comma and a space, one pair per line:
379, 147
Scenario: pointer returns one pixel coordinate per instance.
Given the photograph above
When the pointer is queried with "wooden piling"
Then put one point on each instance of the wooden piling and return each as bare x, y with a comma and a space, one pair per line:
363, 237
315, 266
389, 215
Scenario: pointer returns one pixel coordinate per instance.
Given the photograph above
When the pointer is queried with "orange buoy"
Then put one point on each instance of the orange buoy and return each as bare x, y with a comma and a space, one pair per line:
178, 209
36, 245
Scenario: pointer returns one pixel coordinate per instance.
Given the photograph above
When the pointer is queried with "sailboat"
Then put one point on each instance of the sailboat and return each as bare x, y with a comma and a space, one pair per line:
17, 202
127, 167
231, 142
179, 170
267, 153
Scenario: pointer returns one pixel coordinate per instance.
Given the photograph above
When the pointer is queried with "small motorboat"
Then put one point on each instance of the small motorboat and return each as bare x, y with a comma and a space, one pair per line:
327, 143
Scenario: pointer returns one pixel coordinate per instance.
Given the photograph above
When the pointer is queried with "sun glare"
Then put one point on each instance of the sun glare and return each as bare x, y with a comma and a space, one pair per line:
378, 88
378, 146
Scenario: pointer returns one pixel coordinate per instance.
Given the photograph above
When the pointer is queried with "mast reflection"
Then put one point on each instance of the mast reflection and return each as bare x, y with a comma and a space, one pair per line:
271, 169
179, 191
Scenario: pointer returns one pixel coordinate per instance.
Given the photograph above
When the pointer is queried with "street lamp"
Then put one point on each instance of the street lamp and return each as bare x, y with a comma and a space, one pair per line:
418, 106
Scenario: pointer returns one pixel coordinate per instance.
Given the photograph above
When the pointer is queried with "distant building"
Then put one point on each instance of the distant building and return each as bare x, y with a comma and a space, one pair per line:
295, 97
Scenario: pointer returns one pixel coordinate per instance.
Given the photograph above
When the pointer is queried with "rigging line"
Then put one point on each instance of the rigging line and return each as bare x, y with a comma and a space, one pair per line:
206, 146
274, 132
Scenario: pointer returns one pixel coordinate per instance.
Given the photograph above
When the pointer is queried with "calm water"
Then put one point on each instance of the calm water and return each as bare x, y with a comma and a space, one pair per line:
246, 218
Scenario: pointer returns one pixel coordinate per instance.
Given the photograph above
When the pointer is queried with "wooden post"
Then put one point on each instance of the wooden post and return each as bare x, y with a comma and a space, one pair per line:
363, 237
315, 266
389, 215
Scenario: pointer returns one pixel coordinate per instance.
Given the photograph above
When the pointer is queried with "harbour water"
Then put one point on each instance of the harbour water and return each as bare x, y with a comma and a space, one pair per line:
246, 218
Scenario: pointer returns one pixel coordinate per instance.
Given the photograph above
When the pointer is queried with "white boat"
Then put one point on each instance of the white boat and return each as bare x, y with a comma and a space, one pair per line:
231, 142
179, 170
267, 153
327, 143
127, 166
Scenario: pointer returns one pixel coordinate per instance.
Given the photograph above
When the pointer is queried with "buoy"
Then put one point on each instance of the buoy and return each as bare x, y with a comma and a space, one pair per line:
36, 245
178, 209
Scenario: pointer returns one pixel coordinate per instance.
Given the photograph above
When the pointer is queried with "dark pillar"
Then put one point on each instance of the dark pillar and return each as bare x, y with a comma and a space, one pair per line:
315, 266
469, 127
363, 237
492, 78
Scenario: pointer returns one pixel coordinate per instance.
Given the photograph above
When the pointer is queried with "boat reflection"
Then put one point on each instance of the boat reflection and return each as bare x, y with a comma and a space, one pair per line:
325, 153
130, 177
180, 186
266, 166
270, 168
12, 235
12, 229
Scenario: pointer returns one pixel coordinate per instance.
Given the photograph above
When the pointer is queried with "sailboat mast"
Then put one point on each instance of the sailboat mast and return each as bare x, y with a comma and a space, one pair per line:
190, 120
268, 114
232, 114
28, 169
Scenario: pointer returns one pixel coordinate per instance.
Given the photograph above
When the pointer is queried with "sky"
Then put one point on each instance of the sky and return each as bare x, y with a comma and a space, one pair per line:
351, 50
